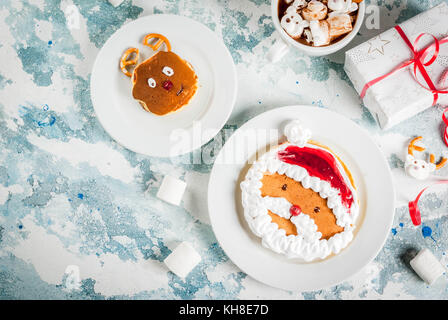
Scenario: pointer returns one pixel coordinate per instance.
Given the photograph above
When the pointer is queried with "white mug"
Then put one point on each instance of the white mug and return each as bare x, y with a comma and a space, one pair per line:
282, 45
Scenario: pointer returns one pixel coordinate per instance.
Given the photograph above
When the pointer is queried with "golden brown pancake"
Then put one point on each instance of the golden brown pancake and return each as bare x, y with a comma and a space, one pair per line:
160, 91
310, 202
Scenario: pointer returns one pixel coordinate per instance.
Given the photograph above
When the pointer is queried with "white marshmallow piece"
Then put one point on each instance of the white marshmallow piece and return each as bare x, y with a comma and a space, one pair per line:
298, 4
115, 3
426, 265
293, 23
315, 10
342, 6
320, 31
171, 190
182, 260
308, 35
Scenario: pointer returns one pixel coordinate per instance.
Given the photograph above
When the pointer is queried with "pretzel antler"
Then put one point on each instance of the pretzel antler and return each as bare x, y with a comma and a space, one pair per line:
125, 60
413, 147
161, 40
441, 163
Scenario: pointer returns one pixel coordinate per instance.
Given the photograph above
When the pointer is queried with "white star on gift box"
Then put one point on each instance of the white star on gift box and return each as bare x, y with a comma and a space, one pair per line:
377, 44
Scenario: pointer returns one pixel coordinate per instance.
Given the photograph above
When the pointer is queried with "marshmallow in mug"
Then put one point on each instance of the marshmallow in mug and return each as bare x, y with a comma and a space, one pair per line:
308, 35
293, 23
342, 6
340, 24
320, 31
315, 10
298, 4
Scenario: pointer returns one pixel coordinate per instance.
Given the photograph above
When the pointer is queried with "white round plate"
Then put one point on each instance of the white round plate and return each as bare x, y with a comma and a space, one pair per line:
372, 178
163, 136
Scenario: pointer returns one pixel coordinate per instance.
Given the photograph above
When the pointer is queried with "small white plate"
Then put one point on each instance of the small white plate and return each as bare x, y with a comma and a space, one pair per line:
372, 178
143, 132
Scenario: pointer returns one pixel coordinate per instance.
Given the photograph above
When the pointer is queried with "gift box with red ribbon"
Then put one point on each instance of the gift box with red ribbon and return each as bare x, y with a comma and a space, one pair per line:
403, 70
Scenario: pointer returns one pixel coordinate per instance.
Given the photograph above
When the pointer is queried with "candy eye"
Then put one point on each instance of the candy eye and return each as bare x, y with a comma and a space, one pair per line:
168, 71
151, 82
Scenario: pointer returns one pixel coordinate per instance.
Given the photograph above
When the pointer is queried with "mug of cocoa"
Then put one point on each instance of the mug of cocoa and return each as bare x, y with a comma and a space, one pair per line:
315, 27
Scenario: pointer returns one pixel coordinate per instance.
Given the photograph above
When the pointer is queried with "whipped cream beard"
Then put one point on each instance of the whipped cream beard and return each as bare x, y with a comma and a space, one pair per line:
308, 244
315, 22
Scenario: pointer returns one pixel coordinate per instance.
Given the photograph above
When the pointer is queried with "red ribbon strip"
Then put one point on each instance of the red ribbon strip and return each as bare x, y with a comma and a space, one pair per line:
414, 210
418, 60
445, 119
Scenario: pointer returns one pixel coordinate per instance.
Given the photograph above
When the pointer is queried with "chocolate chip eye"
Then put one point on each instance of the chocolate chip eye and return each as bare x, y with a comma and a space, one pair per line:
284, 187
168, 71
317, 209
152, 83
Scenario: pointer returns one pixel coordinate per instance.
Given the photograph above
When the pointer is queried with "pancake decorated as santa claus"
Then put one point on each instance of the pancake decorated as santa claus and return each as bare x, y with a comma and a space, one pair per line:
300, 198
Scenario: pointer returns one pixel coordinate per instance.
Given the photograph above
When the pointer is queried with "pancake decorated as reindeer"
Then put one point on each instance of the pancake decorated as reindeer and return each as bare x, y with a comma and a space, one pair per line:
300, 198
162, 84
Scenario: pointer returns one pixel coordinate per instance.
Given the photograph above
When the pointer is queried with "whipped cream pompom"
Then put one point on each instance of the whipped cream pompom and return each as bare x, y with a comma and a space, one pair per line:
296, 133
293, 23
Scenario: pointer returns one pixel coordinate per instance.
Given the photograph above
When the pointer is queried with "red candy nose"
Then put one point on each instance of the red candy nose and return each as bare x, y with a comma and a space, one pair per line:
167, 85
295, 210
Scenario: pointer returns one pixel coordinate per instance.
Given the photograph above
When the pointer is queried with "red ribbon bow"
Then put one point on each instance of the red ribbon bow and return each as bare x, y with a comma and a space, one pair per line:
419, 63
418, 60
414, 210
445, 119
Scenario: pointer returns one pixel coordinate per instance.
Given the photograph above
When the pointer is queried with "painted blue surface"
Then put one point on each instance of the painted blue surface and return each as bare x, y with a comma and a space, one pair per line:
71, 196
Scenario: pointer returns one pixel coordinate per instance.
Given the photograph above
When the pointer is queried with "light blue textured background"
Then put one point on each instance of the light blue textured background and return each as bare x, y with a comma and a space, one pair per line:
70, 195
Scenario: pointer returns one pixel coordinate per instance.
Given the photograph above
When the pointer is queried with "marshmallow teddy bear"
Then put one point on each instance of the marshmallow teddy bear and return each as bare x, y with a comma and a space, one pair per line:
292, 21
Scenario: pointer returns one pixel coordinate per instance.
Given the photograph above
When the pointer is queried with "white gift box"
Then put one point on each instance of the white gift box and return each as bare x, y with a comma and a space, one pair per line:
399, 96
